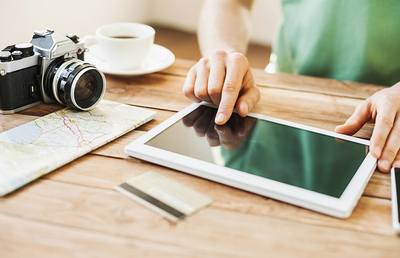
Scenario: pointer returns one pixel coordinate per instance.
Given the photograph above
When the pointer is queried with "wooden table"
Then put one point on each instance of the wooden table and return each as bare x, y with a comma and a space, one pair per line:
74, 211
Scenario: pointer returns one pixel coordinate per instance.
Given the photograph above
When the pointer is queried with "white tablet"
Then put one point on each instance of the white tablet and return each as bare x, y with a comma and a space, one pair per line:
302, 165
395, 178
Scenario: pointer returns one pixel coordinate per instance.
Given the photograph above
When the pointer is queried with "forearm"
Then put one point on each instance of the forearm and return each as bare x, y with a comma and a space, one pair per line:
224, 25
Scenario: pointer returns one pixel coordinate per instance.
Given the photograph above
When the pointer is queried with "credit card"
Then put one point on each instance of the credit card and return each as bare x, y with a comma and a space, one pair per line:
170, 199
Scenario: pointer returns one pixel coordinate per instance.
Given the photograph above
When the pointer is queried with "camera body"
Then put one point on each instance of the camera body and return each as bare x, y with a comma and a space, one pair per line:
49, 68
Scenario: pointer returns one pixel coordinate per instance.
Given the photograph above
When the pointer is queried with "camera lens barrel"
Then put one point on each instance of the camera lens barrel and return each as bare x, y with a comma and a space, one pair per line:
75, 83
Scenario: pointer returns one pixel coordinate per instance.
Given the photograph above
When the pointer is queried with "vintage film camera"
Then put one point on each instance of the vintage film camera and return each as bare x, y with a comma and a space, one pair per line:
47, 69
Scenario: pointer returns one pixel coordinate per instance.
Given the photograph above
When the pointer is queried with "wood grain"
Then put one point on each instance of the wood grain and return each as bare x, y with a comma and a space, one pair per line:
237, 233
99, 172
74, 211
54, 240
294, 82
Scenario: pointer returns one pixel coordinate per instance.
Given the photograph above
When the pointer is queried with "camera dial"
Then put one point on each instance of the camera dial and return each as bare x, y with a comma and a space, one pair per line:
5, 56
25, 48
16, 54
74, 83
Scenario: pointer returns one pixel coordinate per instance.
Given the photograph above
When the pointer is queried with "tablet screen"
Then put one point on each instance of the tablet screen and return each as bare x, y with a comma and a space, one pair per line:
397, 190
275, 151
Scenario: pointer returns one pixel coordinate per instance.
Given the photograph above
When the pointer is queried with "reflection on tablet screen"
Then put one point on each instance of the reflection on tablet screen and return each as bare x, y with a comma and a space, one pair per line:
293, 156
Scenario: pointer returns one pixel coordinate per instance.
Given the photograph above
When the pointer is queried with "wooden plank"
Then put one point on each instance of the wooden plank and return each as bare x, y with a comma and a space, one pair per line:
324, 86
309, 108
116, 148
139, 90
321, 111
21, 237
153, 90
213, 229
10, 121
161, 117
179, 68
101, 172
293, 82
379, 186
42, 109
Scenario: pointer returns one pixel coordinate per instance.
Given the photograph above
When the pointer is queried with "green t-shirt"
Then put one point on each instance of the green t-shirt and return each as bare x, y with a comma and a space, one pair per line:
354, 40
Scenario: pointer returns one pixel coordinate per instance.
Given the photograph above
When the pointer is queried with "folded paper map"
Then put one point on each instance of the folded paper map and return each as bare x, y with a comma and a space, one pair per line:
38, 147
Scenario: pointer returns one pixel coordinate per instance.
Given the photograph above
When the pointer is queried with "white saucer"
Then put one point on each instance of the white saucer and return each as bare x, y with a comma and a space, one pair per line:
158, 59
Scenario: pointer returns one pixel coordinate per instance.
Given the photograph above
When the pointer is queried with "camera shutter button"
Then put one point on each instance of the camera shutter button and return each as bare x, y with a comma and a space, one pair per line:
25, 48
5, 56
16, 54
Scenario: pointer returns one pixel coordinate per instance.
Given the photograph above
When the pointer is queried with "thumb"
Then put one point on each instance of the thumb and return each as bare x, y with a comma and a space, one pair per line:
355, 121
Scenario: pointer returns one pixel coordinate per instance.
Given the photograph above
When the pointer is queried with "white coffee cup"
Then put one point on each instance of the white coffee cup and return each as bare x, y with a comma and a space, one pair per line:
123, 45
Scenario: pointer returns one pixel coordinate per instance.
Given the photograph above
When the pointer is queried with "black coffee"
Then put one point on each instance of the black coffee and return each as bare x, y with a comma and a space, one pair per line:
123, 37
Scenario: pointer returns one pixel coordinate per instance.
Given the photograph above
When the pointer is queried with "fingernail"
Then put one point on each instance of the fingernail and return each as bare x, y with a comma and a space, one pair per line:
377, 151
219, 130
397, 164
241, 133
337, 128
384, 164
220, 118
245, 108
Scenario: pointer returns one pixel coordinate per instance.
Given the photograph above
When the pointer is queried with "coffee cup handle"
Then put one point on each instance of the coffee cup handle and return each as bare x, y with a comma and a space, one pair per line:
89, 40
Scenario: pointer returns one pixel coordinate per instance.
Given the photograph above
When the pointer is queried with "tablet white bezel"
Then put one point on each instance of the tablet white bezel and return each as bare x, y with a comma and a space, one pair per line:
338, 207
395, 211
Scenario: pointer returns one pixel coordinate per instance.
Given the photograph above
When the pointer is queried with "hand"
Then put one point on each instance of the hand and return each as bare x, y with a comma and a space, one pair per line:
224, 79
383, 108
229, 135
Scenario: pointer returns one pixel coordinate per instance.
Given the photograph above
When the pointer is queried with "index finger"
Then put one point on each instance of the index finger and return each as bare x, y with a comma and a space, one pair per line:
231, 88
383, 125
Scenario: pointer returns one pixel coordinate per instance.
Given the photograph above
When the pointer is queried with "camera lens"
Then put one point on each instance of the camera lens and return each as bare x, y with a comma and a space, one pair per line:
85, 87
74, 83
